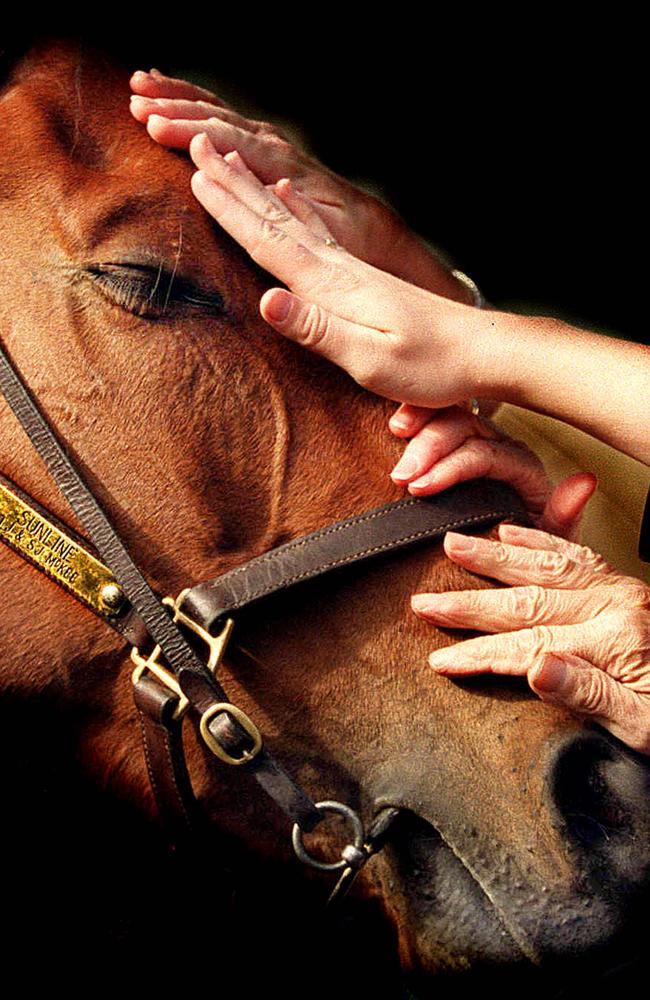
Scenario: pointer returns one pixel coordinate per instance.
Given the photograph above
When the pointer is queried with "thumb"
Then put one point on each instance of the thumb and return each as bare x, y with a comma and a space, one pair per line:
574, 683
347, 344
566, 504
577, 685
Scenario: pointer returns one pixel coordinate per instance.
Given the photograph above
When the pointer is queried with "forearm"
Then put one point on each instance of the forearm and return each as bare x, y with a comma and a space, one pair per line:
593, 382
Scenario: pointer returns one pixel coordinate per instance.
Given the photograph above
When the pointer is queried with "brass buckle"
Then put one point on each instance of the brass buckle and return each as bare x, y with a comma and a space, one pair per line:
216, 644
246, 724
217, 647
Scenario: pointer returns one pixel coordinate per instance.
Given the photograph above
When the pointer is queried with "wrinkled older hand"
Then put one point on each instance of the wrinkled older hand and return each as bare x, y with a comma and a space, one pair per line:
576, 627
174, 111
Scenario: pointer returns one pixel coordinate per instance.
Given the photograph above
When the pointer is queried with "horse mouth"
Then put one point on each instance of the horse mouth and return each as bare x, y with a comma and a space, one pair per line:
456, 937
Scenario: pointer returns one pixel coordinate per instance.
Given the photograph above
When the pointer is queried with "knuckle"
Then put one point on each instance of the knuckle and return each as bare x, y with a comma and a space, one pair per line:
539, 640
555, 564
270, 235
593, 693
432, 432
270, 231
529, 603
274, 214
315, 327
635, 594
500, 554
639, 625
480, 448
593, 560
369, 374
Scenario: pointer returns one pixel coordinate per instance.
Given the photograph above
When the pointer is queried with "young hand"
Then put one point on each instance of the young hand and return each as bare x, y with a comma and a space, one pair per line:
453, 445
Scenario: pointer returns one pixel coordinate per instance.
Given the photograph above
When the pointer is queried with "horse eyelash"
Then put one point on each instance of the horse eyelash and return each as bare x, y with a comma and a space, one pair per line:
151, 293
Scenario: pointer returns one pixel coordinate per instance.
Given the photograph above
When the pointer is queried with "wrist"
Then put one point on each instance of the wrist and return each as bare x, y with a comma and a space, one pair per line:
414, 260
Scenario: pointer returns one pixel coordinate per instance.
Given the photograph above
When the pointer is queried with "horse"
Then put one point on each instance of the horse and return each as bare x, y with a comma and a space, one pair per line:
209, 440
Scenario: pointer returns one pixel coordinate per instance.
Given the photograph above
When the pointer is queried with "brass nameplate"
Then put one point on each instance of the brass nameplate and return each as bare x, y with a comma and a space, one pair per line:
55, 553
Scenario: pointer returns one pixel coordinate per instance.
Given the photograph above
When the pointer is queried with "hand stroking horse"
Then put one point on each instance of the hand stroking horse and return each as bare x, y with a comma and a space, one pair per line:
522, 844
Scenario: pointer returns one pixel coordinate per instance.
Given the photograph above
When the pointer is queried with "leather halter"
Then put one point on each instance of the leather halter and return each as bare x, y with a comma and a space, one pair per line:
164, 692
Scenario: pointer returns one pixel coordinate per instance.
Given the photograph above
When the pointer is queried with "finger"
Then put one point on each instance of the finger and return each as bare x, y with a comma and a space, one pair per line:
534, 538
268, 160
515, 653
576, 684
242, 183
511, 608
347, 344
519, 565
200, 111
408, 420
179, 132
281, 244
301, 207
328, 276
442, 434
503, 460
564, 509
156, 84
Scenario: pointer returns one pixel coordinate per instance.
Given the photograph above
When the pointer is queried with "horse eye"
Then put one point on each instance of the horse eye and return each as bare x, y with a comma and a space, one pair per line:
152, 292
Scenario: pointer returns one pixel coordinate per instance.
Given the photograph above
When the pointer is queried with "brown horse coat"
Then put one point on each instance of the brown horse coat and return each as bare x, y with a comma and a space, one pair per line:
209, 439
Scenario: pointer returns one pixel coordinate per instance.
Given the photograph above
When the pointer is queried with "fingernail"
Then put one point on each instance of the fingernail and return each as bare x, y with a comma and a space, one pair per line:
155, 72
420, 602
436, 605
398, 424
429, 480
405, 468
512, 528
439, 661
278, 307
460, 543
551, 675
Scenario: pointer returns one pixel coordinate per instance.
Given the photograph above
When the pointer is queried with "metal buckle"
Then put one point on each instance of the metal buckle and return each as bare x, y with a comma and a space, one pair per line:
245, 722
216, 644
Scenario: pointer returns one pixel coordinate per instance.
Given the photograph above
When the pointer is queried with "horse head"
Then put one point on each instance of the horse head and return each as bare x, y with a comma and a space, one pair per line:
209, 439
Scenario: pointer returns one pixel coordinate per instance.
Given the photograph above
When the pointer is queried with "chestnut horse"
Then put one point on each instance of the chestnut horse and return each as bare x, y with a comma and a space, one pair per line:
209, 440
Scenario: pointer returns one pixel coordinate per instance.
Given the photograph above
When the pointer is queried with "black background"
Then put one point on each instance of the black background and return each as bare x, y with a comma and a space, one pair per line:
513, 144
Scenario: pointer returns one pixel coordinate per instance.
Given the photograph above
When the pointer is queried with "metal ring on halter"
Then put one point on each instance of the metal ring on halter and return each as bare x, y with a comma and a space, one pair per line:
353, 854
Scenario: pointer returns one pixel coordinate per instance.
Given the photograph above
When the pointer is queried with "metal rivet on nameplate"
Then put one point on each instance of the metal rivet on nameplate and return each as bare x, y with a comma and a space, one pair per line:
112, 596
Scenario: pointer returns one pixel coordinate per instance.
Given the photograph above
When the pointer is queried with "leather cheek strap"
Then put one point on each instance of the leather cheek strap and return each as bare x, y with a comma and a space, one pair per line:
198, 684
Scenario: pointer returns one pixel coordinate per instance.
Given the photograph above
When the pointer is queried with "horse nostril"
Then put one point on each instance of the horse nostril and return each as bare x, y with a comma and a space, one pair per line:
601, 795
